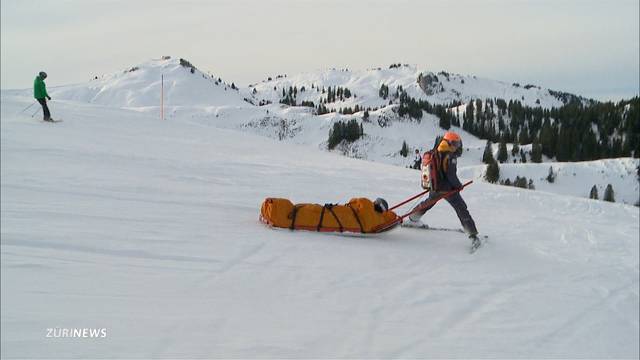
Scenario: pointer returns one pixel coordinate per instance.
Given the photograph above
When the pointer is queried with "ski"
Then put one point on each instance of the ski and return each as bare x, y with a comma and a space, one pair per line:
53, 120
427, 227
475, 243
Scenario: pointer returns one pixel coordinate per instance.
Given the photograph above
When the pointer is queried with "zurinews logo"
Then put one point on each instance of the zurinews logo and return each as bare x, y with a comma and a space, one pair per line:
76, 333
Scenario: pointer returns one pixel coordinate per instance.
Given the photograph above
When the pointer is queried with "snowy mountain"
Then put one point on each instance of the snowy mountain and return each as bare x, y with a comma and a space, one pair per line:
440, 88
147, 229
140, 86
197, 97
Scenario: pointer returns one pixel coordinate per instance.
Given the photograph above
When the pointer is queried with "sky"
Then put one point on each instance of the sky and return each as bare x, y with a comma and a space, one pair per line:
585, 47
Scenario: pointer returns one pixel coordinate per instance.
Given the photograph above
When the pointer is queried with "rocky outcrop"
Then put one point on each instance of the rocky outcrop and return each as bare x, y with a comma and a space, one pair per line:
430, 84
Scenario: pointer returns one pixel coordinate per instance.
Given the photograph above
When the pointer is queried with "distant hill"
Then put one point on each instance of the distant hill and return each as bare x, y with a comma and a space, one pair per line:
140, 86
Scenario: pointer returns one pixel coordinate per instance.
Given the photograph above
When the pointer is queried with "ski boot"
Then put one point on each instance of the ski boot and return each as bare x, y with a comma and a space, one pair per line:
475, 242
415, 223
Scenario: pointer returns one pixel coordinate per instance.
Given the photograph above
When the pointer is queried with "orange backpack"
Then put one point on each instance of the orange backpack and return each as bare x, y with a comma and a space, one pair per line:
430, 170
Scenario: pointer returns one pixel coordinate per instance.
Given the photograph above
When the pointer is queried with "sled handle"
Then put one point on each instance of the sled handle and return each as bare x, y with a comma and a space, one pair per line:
399, 219
445, 195
406, 201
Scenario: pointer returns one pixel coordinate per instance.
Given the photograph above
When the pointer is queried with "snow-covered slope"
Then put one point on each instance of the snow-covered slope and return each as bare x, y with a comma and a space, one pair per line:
140, 86
385, 134
115, 220
578, 178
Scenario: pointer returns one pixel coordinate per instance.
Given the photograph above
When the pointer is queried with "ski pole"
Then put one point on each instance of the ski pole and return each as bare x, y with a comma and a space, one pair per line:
412, 198
32, 115
435, 200
25, 109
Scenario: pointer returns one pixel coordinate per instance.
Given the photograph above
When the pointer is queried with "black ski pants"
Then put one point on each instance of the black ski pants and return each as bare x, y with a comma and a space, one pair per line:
458, 205
45, 108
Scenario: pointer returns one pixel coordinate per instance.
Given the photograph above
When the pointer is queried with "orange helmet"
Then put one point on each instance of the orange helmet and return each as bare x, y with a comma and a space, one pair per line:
451, 136
451, 142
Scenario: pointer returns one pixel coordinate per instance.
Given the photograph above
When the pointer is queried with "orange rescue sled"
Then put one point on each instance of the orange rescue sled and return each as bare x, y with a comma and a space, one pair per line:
357, 216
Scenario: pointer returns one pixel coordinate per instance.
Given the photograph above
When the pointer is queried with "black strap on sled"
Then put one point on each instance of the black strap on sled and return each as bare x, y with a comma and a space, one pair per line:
355, 214
321, 216
330, 208
294, 213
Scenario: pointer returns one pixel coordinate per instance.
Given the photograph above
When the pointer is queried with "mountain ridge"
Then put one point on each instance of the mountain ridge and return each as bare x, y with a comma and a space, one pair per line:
198, 97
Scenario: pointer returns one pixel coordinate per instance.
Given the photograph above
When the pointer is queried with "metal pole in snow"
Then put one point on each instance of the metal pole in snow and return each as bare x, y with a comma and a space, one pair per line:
162, 97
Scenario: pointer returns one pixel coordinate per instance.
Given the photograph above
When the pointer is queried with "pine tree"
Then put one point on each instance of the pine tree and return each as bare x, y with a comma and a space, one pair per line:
468, 117
487, 156
551, 177
523, 156
445, 121
502, 152
524, 135
335, 135
365, 116
405, 149
384, 91
492, 174
608, 194
515, 149
546, 139
350, 131
593, 194
536, 152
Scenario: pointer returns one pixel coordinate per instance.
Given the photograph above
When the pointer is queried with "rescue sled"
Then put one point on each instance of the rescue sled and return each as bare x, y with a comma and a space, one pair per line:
357, 216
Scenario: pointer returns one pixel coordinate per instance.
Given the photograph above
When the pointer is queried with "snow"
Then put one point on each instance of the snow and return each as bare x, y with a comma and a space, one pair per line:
114, 219
577, 179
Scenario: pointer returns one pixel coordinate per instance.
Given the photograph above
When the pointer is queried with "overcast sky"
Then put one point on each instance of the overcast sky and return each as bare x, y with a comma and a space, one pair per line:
582, 46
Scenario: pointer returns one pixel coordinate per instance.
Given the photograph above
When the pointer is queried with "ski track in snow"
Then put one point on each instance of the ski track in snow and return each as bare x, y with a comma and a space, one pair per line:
149, 229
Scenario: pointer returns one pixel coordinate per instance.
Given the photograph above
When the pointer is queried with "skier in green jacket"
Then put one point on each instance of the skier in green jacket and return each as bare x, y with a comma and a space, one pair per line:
40, 93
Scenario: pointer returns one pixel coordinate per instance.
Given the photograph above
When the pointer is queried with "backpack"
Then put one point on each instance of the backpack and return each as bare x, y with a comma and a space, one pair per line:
430, 170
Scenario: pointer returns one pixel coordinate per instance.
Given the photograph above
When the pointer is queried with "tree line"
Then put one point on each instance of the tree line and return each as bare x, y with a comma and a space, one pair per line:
572, 132
577, 131
349, 131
